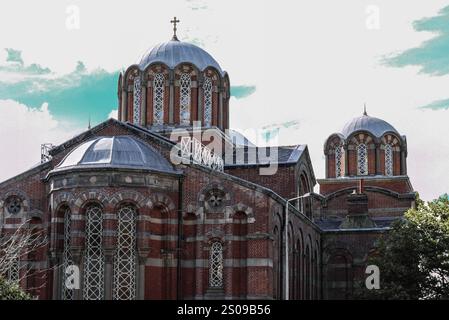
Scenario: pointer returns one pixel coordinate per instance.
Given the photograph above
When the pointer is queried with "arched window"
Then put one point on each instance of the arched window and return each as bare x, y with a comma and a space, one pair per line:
207, 89
136, 101
93, 288
158, 98
66, 294
362, 160
184, 104
216, 265
13, 275
339, 161
388, 160
125, 256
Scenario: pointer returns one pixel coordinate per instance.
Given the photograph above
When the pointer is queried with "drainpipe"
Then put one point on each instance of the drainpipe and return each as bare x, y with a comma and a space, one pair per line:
180, 238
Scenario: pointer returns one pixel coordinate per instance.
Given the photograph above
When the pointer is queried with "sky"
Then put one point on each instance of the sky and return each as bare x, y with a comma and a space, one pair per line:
299, 70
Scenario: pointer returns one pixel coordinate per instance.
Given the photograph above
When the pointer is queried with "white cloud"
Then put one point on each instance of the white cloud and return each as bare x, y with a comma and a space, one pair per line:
23, 130
113, 114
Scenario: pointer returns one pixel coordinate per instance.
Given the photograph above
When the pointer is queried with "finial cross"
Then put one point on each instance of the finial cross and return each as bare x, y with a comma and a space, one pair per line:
174, 21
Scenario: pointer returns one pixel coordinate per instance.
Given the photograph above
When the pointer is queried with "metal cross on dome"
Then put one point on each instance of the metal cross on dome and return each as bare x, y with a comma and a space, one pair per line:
174, 21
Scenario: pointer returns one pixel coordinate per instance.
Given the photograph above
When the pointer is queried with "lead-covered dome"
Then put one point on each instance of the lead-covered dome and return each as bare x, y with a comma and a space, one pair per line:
375, 126
116, 152
175, 52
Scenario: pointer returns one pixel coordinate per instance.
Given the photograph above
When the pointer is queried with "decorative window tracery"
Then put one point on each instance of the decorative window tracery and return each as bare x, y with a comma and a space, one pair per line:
137, 100
216, 265
207, 89
362, 160
14, 269
388, 160
94, 256
124, 287
14, 205
184, 110
339, 161
158, 98
67, 260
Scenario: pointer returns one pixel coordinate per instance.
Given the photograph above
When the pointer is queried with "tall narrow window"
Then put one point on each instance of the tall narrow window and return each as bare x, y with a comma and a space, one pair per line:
216, 265
125, 256
184, 109
13, 275
388, 160
94, 257
339, 161
158, 98
362, 160
137, 100
207, 89
67, 294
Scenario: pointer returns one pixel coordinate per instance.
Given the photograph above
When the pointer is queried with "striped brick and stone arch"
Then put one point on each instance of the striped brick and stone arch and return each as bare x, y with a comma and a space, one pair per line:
391, 155
239, 209
335, 153
127, 196
186, 80
337, 275
157, 79
361, 146
133, 87
214, 198
162, 202
63, 198
87, 197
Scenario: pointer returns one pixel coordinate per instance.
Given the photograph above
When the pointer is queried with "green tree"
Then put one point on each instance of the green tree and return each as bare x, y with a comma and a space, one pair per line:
11, 291
413, 257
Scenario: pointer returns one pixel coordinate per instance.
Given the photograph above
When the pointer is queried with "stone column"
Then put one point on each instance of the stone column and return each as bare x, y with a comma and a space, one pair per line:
171, 104
124, 111
140, 273
403, 163
220, 107
346, 160
200, 98
77, 255
377, 146
108, 273
55, 259
143, 106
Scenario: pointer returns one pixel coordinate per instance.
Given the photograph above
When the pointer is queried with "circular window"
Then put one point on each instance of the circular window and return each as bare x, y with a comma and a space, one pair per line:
14, 205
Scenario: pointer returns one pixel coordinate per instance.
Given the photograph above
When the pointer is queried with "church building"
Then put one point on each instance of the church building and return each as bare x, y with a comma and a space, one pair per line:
168, 203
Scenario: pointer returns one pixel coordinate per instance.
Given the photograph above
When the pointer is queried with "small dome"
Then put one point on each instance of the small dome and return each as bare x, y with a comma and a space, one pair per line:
118, 151
175, 52
375, 126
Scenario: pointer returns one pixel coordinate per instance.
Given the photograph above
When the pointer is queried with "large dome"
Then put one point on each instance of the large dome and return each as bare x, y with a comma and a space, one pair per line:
118, 152
175, 52
375, 126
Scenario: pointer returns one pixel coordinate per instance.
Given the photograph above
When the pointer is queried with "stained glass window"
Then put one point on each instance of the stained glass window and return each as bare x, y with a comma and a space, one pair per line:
207, 89
388, 160
137, 100
125, 256
216, 265
94, 256
362, 160
158, 98
67, 294
184, 110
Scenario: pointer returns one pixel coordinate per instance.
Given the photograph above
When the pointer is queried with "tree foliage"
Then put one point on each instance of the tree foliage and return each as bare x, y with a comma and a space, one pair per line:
413, 257
11, 291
